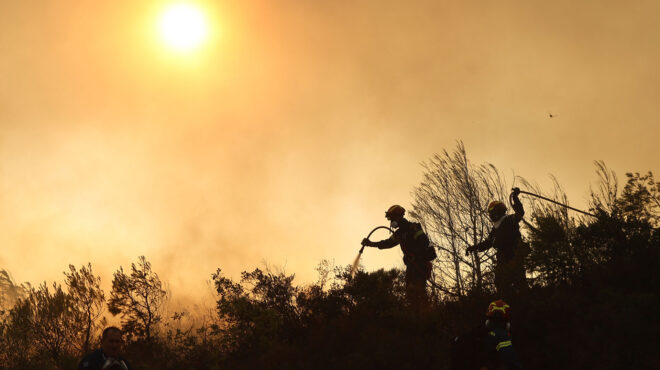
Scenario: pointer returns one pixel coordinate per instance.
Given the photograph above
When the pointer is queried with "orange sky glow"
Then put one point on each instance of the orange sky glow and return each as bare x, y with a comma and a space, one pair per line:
285, 136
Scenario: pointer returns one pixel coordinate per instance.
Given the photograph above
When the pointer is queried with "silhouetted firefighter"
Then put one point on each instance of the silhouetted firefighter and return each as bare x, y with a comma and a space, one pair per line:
417, 253
506, 239
488, 346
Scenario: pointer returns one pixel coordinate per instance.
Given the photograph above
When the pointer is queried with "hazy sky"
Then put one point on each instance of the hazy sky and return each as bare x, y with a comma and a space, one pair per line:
290, 132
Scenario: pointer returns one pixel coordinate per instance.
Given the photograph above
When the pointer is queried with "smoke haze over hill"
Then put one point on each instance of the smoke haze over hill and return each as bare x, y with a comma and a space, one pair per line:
287, 138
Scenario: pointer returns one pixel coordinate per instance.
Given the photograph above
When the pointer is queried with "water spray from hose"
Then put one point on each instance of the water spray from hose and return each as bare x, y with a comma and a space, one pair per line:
356, 262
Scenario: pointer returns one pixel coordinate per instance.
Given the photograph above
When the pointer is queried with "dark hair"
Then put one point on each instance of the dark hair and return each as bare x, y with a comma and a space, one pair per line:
107, 330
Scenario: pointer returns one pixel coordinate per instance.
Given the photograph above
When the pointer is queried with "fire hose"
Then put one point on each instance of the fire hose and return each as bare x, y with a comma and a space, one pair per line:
552, 201
372, 231
357, 259
444, 290
510, 201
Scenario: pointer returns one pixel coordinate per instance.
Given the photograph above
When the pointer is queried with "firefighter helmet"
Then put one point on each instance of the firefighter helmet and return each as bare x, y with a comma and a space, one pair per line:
499, 309
395, 212
496, 206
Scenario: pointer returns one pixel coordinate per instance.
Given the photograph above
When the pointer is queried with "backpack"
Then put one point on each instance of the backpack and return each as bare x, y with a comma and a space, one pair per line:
427, 251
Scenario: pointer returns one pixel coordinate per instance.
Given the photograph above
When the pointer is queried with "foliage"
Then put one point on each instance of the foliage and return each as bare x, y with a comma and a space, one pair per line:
450, 202
39, 330
640, 199
256, 311
89, 300
592, 304
137, 297
10, 292
54, 322
17, 336
623, 238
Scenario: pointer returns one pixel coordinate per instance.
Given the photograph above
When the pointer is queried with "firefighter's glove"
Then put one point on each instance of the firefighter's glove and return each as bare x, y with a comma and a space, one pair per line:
515, 192
367, 243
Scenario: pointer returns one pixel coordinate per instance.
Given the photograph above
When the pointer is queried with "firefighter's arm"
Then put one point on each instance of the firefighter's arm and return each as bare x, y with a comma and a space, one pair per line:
517, 206
482, 246
382, 244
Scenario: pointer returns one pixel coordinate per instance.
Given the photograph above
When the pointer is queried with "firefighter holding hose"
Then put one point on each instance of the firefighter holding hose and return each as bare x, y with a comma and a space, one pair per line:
417, 253
506, 239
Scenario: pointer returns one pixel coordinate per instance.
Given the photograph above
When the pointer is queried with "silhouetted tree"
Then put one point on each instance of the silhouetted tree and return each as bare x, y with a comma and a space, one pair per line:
17, 339
10, 292
553, 259
568, 250
88, 299
257, 310
54, 321
640, 199
604, 197
451, 202
137, 297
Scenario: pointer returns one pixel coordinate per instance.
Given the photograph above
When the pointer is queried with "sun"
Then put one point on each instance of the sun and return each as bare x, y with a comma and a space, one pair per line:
183, 27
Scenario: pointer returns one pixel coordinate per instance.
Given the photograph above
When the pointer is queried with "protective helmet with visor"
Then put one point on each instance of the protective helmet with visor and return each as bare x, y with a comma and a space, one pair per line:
394, 215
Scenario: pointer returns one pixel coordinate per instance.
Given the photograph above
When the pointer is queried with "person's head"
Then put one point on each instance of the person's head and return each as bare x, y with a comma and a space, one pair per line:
111, 341
498, 314
395, 214
496, 210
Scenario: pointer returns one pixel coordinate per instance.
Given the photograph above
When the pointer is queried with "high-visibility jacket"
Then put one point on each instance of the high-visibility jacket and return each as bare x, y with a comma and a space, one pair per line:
499, 340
